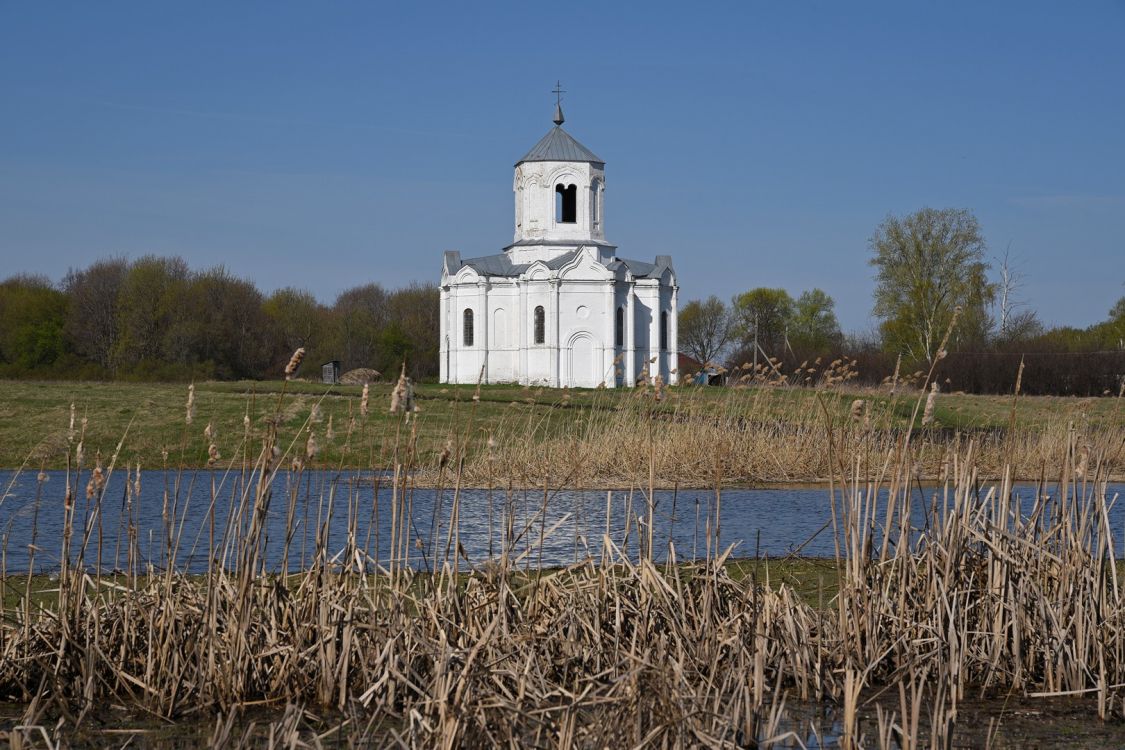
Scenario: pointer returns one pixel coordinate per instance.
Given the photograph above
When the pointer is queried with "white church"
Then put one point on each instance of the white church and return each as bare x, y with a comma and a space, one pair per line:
558, 306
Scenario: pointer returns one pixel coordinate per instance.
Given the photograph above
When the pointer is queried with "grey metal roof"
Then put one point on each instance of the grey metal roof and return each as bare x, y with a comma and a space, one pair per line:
502, 265
559, 145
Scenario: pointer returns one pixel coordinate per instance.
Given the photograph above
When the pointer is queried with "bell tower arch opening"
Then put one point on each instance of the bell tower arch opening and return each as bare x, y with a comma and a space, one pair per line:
566, 204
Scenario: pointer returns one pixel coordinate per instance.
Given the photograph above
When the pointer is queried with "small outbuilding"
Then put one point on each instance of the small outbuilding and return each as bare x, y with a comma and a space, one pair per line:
330, 372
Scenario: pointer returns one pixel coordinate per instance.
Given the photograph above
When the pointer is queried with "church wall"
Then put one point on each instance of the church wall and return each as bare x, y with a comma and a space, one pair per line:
534, 188
504, 341
585, 311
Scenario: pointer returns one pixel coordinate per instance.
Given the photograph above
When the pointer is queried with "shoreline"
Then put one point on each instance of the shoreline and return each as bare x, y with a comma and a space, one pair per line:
427, 479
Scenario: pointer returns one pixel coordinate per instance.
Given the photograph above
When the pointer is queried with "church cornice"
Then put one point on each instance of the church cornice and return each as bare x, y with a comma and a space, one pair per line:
574, 244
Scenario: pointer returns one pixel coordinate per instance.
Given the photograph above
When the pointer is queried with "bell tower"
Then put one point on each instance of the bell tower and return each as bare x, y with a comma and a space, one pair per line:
559, 190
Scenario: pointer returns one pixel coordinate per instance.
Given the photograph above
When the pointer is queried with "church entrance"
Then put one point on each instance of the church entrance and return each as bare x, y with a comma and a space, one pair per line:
582, 366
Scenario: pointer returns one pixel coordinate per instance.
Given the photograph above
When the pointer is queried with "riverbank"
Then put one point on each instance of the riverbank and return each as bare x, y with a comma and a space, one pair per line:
690, 437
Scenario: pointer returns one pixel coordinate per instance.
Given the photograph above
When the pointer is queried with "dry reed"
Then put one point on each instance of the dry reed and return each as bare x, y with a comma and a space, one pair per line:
614, 650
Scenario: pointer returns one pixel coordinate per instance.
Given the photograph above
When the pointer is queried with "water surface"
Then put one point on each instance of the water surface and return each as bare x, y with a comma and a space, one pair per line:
193, 508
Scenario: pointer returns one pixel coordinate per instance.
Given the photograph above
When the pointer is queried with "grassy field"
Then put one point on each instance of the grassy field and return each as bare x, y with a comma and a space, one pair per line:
763, 431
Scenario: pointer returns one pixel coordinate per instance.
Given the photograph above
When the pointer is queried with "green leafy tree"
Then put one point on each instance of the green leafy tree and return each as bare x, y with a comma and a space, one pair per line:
32, 316
1117, 312
705, 328
814, 327
414, 311
150, 312
768, 312
928, 264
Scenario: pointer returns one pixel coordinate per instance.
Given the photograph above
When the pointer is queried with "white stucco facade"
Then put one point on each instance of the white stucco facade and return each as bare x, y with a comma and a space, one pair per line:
558, 307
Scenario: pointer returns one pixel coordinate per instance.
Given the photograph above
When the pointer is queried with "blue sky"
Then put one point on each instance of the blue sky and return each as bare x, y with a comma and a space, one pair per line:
324, 145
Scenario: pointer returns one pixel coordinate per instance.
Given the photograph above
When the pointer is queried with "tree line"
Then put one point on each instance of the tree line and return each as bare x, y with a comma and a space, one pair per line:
934, 284
937, 296
154, 318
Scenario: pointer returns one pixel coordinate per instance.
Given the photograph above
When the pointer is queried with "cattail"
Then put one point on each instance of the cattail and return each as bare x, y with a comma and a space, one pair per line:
79, 453
97, 481
658, 385
857, 410
329, 433
928, 414
1019, 377
311, 448
246, 422
209, 433
137, 480
446, 452
315, 417
213, 454
70, 430
190, 410
894, 378
363, 400
43, 476
294, 363
643, 379
398, 395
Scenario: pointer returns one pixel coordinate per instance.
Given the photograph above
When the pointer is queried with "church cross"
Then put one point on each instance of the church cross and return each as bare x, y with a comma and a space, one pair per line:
558, 92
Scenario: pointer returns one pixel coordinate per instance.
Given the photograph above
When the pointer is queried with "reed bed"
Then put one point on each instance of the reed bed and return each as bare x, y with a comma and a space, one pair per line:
410, 646
747, 441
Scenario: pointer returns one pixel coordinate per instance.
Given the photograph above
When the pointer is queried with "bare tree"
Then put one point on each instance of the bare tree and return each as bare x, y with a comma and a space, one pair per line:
1008, 291
705, 328
91, 322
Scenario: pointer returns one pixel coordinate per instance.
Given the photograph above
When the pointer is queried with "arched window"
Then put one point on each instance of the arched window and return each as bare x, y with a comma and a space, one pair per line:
467, 327
566, 204
539, 325
664, 330
619, 337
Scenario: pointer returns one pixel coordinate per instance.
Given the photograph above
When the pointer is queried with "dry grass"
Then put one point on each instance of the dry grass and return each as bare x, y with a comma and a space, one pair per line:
758, 433
615, 651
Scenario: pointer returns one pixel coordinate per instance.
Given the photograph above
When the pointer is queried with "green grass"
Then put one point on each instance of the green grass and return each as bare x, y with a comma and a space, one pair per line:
150, 416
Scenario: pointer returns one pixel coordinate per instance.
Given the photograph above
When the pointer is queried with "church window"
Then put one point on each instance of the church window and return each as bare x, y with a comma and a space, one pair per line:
467, 327
540, 325
619, 337
664, 329
566, 204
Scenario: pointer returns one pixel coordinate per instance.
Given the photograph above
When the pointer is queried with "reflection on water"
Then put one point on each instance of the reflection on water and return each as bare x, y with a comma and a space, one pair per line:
193, 510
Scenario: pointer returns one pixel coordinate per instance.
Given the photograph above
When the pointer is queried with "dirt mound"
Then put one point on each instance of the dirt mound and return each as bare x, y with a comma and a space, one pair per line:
360, 375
